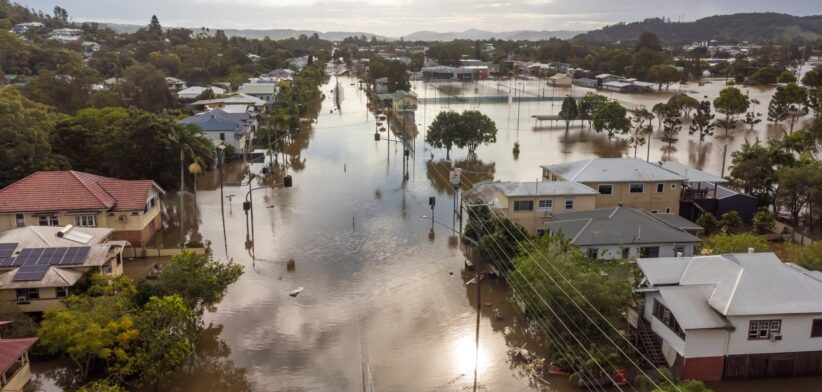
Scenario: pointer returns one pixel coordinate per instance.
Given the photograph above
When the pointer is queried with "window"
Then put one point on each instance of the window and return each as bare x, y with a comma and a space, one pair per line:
20, 220
540, 232
660, 187
673, 186
48, 220
649, 251
152, 202
816, 328
668, 210
762, 329
61, 292
28, 294
523, 205
626, 253
569, 204
546, 204
593, 253
654, 211
663, 314
637, 188
85, 220
605, 189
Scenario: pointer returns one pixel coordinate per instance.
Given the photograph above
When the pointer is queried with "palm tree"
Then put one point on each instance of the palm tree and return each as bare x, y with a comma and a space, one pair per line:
195, 169
191, 141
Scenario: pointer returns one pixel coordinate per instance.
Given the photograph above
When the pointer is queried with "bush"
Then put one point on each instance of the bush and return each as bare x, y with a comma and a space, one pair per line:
733, 243
731, 222
708, 222
763, 221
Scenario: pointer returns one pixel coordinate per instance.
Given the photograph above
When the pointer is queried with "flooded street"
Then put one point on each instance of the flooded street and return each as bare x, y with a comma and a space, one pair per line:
384, 298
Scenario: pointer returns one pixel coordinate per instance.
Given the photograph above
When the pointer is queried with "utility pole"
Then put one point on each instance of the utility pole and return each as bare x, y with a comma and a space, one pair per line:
221, 153
724, 155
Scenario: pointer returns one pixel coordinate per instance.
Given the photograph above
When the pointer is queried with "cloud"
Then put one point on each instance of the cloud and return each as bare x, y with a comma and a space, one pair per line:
399, 17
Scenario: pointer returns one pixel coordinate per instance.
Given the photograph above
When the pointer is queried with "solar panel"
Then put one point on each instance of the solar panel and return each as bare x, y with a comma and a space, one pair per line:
30, 273
50, 256
6, 249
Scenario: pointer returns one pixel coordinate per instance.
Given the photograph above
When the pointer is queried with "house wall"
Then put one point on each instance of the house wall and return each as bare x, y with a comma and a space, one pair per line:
649, 200
21, 377
610, 252
48, 299
668, 337
796, 336
534, 220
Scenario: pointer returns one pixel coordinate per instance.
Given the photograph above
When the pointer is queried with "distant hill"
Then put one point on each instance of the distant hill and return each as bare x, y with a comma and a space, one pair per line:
275, 34
474, 34
758, 27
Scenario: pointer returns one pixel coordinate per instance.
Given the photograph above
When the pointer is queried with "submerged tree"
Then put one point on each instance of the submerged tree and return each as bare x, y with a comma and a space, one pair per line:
731, 103
569, 111
642, 128
589, 104
703, 122
611, 118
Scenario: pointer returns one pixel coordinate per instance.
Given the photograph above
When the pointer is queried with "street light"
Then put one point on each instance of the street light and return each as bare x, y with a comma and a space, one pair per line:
220, 156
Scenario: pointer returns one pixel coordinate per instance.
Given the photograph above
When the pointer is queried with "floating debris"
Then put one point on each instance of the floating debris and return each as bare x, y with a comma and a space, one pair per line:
296, 291
498, 314
291, 265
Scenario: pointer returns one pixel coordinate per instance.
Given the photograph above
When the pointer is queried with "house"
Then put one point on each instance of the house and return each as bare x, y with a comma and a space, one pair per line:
14, 362
299, 63
40, 265
531, 203
381, 85
22, 28
90, 46
455, 73
175, 84
585, 82
58, 198
195, 91
281, 74
65, 35
243, 101
744, 315
266, 91
399, 101
705, 192
628, 182
605, 78
622, 232
224, 129
560, 80
627, 86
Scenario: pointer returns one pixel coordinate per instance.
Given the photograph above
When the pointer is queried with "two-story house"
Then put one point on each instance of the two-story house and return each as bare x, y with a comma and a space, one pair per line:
743, 315
59, 198
625, 182
531, 203
40, 265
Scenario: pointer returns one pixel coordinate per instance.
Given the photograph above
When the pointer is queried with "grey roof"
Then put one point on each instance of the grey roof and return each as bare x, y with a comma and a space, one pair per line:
742, 283
258, 88
613, 170
690, 303
46, 236
617, 226
54, 277
211, 122
692, 175
540, 188
678, 222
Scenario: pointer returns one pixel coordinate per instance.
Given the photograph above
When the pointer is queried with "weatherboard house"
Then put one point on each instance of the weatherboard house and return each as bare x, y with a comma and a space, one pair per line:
743, 315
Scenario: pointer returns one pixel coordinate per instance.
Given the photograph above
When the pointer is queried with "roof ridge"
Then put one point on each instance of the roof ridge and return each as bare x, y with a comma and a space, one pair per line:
75, 174
574, 178
582, 230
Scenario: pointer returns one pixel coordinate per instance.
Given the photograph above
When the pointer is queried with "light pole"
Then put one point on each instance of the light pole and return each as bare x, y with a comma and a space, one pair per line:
220, 156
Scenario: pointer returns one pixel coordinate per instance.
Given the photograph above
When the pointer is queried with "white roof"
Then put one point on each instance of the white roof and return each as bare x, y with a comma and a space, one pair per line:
46, 236
692, 175
258, 88
539, 188
742, 283
690, 301
613, 170
195, 91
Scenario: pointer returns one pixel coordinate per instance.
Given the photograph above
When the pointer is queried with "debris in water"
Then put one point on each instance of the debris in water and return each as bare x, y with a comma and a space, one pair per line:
296, 291
498, 314
291, 265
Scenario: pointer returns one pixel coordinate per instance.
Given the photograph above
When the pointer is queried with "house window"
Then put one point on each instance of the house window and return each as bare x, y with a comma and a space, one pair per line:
61, 292
626, 253
816, 328
546, 204
20, 220
605, 189
762, 329
28, 294
649, 251
540, 232
523, 205
660, 187
668, 210
569, 204
85, 220
48, 220
663, 314
654, 211
673, 186
593, 253
152, 202
637, 188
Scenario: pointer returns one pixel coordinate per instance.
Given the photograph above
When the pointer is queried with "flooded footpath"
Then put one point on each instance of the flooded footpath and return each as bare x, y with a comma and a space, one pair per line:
384, 299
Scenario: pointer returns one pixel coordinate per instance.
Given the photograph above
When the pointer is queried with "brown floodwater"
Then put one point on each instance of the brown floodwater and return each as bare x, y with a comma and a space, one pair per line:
383, 296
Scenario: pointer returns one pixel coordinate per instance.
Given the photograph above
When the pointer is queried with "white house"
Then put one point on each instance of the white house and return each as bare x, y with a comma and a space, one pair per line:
265, 91
743, 315
622, 232
195, 91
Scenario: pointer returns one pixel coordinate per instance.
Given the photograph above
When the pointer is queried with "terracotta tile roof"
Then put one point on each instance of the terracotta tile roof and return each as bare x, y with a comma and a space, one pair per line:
71, 191
11, 349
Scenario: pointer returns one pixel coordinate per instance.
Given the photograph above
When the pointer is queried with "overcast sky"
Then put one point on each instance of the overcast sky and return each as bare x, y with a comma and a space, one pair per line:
400, 17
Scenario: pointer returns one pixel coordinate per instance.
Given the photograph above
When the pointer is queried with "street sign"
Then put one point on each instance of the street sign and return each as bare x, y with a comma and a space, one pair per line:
454, 177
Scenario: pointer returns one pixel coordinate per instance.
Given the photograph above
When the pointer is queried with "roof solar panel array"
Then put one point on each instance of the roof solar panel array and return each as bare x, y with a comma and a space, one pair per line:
6, 249
48, 256
30, 273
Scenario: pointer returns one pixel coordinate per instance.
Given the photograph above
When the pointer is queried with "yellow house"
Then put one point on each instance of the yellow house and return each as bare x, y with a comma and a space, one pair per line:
400, 101
59, 198
531, 204
625, 182
39, 265
14, 363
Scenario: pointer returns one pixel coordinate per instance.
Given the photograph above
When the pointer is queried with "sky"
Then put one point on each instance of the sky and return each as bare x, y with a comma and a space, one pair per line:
395, 18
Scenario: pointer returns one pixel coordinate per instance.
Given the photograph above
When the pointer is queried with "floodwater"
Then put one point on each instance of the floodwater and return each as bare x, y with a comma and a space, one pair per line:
384, 300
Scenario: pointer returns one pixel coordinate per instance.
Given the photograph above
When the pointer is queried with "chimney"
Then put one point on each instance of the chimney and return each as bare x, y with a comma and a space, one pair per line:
750, 250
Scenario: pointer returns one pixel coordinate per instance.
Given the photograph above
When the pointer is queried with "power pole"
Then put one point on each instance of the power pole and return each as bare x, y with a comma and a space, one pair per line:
724, 155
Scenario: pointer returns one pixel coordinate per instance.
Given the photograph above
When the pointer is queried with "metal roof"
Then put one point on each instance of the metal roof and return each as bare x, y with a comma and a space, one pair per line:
743, 283
46, 236
605, 170
538, 188
691, 174
617, 226
690, 308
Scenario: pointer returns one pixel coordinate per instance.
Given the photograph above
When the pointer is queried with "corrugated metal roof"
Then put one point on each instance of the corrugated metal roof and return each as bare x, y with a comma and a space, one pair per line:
13, 349
618, 226
613, 170
691, 174
690, 308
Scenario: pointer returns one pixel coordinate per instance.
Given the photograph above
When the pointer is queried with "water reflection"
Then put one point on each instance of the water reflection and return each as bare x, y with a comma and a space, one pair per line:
473, 171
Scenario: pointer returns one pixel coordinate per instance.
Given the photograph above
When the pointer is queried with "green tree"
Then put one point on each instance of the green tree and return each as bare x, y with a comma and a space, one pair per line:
731, 103
708, 222
786, 77
753, 171
813, 78
589, 104
791, 103
648, 40
154, 28
731, 222
683, 103
198, 279
168, 331
101, 386
763, 221
569, 111
144, 86
671, 126
766, 75
611, 118
24, 137
734, 243
444, 131
475, 129
663, 74
702, 123
642, 128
